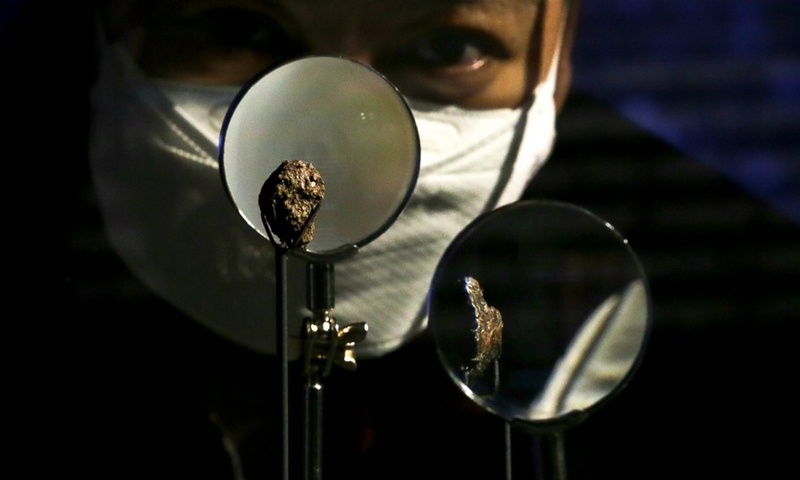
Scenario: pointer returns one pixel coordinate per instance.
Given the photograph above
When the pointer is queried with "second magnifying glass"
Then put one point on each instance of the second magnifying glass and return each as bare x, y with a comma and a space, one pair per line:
540, 312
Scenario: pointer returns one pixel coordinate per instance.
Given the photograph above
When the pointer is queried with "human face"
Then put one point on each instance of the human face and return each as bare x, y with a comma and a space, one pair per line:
472, 53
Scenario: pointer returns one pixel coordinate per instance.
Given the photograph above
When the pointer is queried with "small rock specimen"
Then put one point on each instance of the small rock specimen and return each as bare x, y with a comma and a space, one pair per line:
288, 198
488, 331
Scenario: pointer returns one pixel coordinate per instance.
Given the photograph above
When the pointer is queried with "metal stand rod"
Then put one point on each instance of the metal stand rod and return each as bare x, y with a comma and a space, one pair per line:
507, 436
320, 300
283, 355
320, 286
313, 429
552, 456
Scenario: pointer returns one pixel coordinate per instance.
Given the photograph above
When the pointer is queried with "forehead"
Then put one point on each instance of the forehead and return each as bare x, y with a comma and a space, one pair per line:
417, 3
325, 13
387, 17
356, 7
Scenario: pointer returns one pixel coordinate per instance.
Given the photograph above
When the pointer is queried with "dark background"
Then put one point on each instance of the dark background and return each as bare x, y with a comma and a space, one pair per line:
719, 79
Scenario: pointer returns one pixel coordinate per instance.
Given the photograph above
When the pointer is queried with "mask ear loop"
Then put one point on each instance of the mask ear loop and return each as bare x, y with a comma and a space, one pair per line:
548, 86
535, 55
523, 159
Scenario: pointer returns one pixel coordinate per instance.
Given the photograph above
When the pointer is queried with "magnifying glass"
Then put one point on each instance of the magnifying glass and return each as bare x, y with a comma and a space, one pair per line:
540, 311
311, 123
346, 120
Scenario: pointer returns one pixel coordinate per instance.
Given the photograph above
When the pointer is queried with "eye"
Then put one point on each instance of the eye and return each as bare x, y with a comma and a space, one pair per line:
449, 64
450, 49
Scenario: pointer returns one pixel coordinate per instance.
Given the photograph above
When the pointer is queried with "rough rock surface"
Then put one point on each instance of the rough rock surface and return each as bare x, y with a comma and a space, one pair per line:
288, 198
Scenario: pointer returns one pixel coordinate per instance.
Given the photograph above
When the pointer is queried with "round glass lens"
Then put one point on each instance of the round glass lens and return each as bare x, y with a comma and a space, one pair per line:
540, 311
346, 120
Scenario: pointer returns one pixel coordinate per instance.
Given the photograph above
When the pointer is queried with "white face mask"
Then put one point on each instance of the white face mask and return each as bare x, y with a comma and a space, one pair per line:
154, 151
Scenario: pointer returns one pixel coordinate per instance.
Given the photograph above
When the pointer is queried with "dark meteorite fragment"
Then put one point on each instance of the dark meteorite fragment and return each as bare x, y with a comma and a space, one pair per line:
288, 198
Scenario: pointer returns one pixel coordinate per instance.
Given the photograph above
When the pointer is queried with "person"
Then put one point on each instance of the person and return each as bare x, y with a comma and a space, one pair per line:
189, 389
